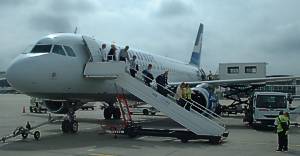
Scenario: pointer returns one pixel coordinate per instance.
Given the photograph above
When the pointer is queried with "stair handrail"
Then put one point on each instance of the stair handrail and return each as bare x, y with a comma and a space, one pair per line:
204, 109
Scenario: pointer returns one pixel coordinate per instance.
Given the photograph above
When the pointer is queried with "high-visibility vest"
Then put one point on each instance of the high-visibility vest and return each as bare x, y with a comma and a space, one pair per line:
282, 119
184, 91
189, 93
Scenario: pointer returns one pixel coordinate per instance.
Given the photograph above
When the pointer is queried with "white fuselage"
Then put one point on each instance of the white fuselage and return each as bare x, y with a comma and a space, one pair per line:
53, 76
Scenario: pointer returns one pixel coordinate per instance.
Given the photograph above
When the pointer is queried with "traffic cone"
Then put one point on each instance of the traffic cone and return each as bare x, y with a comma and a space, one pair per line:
24, 109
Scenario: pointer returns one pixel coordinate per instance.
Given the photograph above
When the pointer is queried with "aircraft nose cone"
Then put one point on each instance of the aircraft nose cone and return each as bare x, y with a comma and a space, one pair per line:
18, 73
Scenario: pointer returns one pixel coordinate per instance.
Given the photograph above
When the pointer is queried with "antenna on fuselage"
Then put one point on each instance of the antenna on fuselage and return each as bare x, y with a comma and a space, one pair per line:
75, 31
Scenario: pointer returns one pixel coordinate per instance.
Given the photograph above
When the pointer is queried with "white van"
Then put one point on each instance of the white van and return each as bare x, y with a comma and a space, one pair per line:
267, 105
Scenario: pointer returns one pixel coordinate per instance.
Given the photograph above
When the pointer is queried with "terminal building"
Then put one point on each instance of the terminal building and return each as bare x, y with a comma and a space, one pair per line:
257, 70
242, 70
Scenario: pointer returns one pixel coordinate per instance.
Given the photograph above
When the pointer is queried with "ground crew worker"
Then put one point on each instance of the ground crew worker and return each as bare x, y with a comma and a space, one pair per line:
282, 125
210, 76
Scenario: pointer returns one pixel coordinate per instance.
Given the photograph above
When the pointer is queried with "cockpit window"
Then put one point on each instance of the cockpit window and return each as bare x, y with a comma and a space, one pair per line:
41, 49
58, 50
69, 51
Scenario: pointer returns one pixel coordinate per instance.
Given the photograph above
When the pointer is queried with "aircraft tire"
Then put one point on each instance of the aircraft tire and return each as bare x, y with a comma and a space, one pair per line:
36, 135
117, 113
65, 126
145, 112
131, 132
74, 126
107, 113
24, 135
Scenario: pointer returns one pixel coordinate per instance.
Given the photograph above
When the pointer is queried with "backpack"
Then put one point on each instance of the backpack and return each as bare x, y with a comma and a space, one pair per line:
284, 125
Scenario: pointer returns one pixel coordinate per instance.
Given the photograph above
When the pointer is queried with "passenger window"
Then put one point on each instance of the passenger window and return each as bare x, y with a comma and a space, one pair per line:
130, 54
58, 50
141, 56
138, 56
69, 51
41, 49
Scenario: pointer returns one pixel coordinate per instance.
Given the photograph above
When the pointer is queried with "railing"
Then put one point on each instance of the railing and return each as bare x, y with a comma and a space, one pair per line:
206, 112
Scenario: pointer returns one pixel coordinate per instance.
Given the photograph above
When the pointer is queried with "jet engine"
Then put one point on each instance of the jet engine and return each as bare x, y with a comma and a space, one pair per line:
58, 107
204, 97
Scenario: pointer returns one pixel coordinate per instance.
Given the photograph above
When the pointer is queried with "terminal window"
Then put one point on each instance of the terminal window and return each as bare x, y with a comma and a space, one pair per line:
232, 70
250, 69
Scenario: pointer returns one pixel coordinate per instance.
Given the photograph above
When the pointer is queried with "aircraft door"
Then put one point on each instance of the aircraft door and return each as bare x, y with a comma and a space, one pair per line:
93, 49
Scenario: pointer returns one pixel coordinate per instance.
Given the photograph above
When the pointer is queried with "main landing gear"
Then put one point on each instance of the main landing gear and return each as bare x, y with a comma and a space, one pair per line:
112, 111
70, 124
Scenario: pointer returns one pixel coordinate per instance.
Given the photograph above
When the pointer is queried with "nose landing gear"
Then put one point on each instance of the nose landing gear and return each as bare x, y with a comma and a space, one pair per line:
70, 124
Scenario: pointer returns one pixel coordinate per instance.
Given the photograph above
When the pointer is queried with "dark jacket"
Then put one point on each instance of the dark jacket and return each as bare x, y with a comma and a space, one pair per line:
148, 77
162, 80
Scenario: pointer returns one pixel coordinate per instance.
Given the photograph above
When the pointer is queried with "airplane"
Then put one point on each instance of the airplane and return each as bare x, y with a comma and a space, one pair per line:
53, 70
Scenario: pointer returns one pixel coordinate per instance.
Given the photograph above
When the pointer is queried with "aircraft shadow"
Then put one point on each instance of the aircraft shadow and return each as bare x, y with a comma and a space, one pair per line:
92, 138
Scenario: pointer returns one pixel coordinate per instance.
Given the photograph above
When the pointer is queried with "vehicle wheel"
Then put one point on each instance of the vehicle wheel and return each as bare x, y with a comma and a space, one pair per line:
30, 109
131, 132
74, 126
107, 113
36, 135
145, 112
117, 113
152, 113
184, 140
255, 126
214, 140
24, 135
93, 108
65, 126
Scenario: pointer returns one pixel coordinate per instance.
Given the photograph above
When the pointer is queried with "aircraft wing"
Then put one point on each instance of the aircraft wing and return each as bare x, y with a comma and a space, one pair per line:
247, 81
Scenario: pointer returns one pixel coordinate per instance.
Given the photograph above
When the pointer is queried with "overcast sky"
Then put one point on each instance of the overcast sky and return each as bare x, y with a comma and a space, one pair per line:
234, 30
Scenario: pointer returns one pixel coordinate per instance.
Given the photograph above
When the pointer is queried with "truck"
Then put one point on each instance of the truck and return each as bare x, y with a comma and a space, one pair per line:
264, 107
37, 105
87, 106
145, 110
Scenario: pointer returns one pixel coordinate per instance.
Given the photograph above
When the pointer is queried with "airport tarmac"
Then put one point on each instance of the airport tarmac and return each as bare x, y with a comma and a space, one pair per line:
91, 141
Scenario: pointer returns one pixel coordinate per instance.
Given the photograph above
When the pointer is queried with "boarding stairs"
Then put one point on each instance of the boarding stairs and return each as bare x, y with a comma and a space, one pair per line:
198, 119
125, 111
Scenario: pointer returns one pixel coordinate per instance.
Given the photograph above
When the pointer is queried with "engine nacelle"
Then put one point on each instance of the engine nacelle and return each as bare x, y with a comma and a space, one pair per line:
58, 107
205, 98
